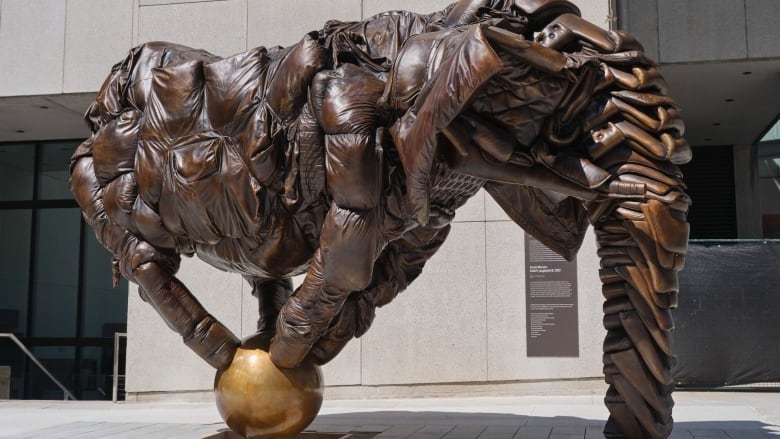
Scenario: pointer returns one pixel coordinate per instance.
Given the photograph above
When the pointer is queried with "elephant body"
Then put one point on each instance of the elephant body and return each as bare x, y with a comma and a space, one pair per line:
345, 157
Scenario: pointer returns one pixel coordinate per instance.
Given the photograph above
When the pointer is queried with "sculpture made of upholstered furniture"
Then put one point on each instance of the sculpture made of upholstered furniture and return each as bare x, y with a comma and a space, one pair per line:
345, 157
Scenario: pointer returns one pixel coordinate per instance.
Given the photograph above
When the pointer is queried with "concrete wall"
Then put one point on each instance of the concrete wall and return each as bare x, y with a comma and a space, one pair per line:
747, 192
61, 46
712, 30
68, 46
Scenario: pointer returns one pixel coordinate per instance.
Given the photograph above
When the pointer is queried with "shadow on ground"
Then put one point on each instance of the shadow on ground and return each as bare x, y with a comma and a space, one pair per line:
452, 425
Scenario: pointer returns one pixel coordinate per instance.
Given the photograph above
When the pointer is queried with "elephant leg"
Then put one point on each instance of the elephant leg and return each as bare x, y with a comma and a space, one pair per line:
351, 241
153, 270
182, 312
352, 235
641, 245
397, 266
271, 295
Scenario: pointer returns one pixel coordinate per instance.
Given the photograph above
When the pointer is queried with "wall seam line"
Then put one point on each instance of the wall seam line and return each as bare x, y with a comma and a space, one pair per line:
181, 3
246, 28
1, 17
1, 21
241, 292
658, 30
135, 32
487, 282
747, 41
360, 361
64, 46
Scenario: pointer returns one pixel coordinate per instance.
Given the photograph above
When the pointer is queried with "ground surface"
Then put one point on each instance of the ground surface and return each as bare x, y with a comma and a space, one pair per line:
697, 414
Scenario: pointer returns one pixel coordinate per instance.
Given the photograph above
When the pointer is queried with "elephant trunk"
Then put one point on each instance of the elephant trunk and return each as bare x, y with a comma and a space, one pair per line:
641, 244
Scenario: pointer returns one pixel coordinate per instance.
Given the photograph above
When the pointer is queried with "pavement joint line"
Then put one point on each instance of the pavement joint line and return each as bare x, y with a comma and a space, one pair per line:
699, 414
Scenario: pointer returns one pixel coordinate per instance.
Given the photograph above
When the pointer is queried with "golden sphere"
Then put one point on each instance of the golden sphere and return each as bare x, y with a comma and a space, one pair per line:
259, 400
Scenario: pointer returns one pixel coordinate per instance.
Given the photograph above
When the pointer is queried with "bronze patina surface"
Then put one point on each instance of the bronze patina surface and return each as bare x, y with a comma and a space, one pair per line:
257, 399
345, 157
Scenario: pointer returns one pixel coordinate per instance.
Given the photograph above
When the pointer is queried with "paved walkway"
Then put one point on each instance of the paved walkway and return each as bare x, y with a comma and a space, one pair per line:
697, 414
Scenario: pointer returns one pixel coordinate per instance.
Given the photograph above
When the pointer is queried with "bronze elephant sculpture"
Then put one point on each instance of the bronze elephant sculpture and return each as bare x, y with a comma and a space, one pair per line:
345, 157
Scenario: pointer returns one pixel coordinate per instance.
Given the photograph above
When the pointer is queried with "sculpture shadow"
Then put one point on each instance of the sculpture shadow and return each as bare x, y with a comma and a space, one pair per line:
438, 424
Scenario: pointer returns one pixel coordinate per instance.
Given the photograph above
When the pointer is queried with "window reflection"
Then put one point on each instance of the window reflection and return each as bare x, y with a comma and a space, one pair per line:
769, 167
57, 273
14, 269
54, 170
60, 361
105, 307
17, 171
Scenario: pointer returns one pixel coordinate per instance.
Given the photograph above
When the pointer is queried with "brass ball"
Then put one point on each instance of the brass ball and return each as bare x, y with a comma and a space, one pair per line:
258, 400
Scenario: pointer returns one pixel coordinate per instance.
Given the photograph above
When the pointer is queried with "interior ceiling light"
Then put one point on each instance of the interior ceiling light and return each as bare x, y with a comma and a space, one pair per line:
729, 100
717, 124
747, 73
44, 107
19, 131
708, 139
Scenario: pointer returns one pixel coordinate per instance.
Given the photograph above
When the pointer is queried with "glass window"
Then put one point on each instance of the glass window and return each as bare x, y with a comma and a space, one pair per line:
56, 272
14, 269
13, 357
61, 362
105, 307
54, 276
17, 169
773, 133
96, 372
769, 167
55, 170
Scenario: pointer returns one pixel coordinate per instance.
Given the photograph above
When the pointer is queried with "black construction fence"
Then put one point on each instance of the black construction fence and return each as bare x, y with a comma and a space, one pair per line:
728, 320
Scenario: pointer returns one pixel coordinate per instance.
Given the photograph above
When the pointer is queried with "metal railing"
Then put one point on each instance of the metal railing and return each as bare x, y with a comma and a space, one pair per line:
35, 360
115, 385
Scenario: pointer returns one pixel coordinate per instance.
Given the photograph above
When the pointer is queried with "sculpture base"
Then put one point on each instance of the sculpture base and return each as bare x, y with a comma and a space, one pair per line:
229, 434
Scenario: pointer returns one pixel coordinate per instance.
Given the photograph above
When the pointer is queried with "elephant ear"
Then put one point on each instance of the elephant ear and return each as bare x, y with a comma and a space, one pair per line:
468, 62
560, 225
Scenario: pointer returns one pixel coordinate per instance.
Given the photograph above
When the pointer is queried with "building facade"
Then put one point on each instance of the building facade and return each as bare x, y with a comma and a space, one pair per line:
57, 294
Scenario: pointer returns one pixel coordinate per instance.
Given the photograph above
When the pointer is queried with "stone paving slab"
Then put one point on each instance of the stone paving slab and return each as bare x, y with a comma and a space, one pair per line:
118, 431
406, 431
698, 415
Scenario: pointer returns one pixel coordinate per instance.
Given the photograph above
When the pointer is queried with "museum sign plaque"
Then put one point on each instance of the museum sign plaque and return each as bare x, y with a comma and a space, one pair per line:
550, 302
